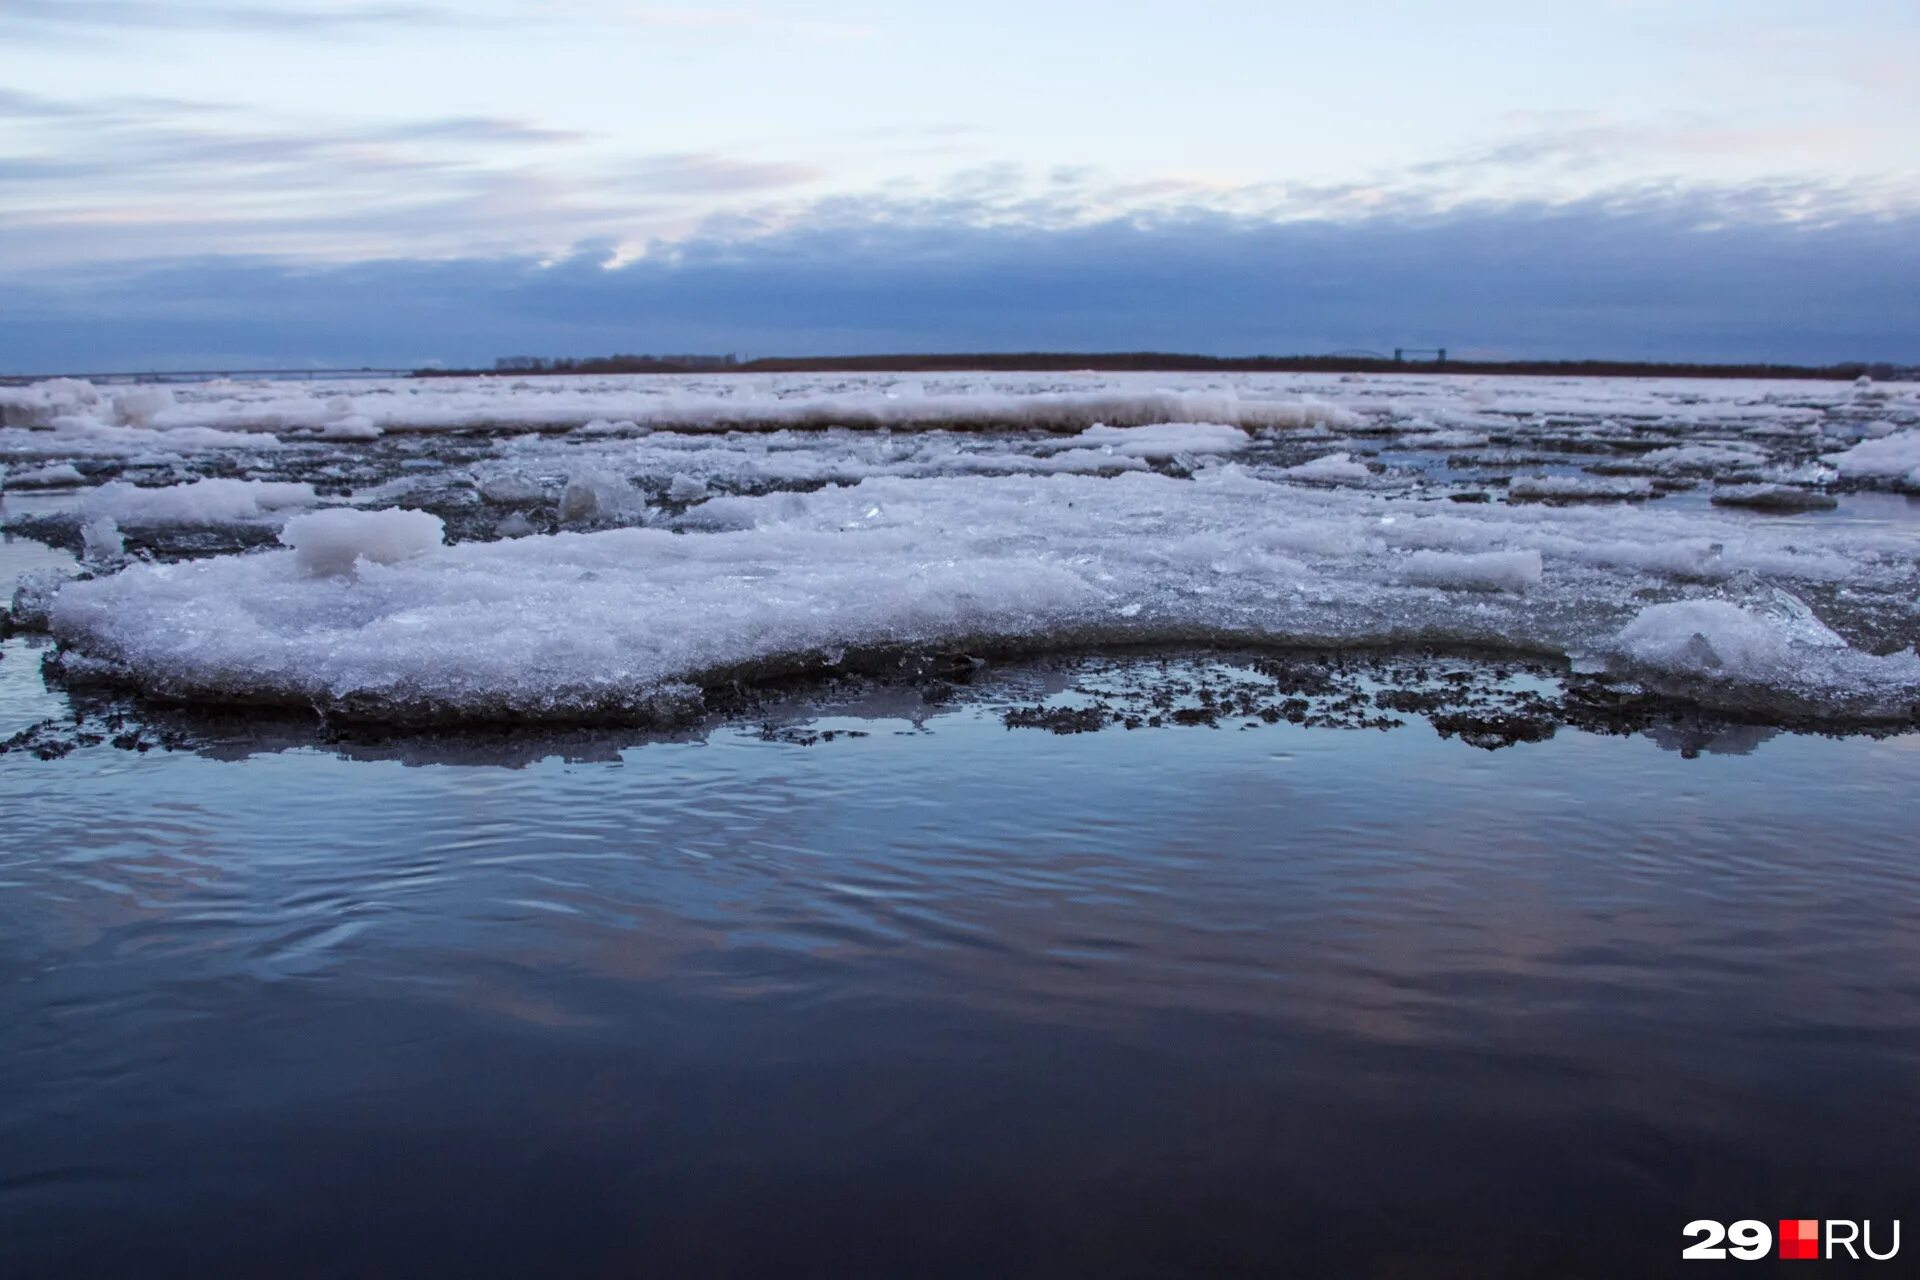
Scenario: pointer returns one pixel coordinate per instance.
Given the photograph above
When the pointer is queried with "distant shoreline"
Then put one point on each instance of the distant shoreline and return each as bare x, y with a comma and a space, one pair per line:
1166, 362
1040, 362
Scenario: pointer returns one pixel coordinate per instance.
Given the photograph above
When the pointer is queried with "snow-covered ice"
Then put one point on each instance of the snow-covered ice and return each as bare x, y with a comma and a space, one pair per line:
586, 547
1774, 497
202, 502
1165, 440
1721, 652
1892, 456
581, 623
1334, 468
1579, 489
63, 475
615, 405
594, 496
1478, 571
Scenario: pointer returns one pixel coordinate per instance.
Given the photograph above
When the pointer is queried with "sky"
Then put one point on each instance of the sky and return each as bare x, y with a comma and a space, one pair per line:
255, 183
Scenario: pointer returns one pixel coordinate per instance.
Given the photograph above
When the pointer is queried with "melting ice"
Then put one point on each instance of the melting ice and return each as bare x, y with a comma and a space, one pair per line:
581, 547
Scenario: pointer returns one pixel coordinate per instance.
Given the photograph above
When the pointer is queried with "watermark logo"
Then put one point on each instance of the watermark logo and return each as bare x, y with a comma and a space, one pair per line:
1799, 1237
1750, 1239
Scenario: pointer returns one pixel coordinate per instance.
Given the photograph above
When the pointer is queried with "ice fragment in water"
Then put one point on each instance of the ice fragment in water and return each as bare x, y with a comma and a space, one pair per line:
331, 543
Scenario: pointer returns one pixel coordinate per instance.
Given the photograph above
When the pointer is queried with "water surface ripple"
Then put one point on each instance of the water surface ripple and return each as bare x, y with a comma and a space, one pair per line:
950, 998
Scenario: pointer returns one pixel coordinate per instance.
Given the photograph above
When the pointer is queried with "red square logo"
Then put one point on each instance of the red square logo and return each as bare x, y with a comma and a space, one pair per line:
1799, 1237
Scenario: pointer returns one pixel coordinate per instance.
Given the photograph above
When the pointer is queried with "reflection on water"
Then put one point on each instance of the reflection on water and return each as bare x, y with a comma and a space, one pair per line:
949, 998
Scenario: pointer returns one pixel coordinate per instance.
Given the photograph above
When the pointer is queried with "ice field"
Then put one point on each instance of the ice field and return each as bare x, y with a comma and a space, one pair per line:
577, 548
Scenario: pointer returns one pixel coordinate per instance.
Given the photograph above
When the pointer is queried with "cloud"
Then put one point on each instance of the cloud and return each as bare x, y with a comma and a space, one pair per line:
18, 105
705, 173
696, 18
1654, 275
132, 178
53, 17
77, 19
172, 177
15, 105
1573, 141
471, 131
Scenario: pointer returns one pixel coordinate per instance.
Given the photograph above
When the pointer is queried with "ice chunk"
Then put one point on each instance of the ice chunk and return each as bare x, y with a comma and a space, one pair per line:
101, 544
1699, 637
331, 543
1442, 440
1890, 456
45, 403
351, 427
1717, 456
33, 594
139, 407
62, 476
686, 488
1579, 489
1773, 497
600, 497
1334, 468
512, 489
1736, 655
203, 502
1165, 439
1482, 571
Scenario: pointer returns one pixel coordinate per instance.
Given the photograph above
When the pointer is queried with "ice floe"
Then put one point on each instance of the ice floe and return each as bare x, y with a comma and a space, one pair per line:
580, 547
363, 411
1895, 455
1579, 489
1038, 423
202, 502
1335, 468
626, 621
62, 475
1773, 497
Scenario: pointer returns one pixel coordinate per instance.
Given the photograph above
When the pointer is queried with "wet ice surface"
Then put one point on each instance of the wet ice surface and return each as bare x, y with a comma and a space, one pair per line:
615, 547
1038, 953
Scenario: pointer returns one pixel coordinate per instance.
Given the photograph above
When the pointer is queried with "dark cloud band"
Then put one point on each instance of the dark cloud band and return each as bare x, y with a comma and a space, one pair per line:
1668, 279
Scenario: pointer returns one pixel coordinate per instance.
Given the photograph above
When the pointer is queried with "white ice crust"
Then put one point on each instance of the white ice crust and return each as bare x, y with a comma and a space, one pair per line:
1896, 454
370, 612
616, 406
202, 502
1579, 488
1335, 468
716, 526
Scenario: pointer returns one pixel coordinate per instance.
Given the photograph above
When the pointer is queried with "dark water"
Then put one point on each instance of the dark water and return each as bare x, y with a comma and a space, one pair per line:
950, 999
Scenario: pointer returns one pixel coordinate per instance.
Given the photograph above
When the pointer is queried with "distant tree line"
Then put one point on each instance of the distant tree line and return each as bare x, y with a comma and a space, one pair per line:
1161, 361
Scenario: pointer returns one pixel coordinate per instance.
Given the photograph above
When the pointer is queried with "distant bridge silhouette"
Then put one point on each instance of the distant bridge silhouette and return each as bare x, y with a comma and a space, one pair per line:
1400, 355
